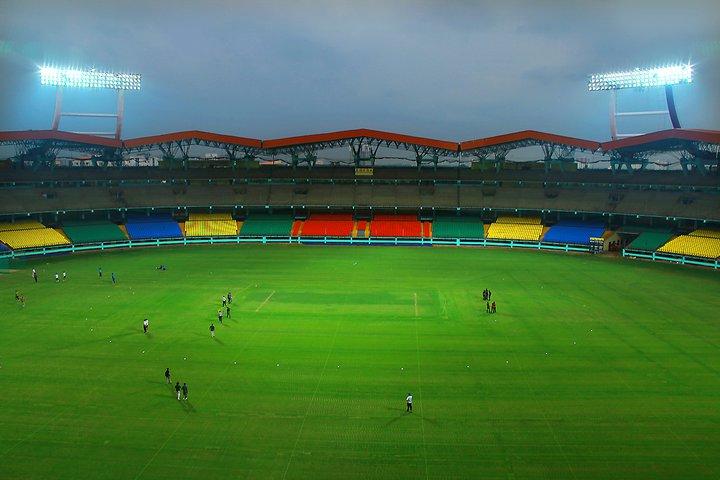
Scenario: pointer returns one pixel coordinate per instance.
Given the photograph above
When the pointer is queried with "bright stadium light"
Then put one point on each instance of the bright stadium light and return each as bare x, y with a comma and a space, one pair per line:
60, 78
71, 77
642, 78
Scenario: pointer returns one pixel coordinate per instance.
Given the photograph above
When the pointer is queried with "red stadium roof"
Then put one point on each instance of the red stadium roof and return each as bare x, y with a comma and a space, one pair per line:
666, 139
528, 135
192, 135
649, 140
360, 132
17, 136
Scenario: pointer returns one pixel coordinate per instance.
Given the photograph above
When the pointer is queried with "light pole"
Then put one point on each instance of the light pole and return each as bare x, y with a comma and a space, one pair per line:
62, 78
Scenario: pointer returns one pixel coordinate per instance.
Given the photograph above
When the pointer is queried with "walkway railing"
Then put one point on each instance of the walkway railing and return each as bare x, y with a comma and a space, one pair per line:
102, 246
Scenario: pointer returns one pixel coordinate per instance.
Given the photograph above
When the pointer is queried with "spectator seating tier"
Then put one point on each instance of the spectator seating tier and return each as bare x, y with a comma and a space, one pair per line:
20, 225
263, 225
573, 233
328, 225
650, 240
93, 231
457, 227
383, 225
210, 225
515, 231
699, 243
154, 226
519, 220
31, 238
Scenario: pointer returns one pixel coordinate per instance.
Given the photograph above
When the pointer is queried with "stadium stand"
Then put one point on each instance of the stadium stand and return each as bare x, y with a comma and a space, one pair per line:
210, 225
153, 226
650, 240
383, 225
30, 235
519, 220
328, 225
264, 225
20, 225
457, 227
516, 228
93, 231
699, 243
569, 232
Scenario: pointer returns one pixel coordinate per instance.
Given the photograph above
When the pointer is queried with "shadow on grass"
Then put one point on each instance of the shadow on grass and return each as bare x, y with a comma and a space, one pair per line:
188, 406
218, 341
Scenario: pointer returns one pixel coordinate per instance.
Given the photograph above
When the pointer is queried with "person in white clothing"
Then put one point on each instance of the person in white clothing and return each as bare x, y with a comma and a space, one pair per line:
146, 325
408, 400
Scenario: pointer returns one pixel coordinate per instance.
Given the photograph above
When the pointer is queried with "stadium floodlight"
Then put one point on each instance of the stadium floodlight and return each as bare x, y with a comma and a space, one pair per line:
642, 78
90, 78
71, 77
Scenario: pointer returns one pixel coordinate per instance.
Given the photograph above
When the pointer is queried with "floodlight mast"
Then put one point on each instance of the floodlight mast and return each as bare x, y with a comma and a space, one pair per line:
666, 76
67, 77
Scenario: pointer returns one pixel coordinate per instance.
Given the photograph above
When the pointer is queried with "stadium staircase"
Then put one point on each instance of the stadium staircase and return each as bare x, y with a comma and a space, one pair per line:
210, 225
264, 225
516, 228
457, 227
699, 243
577, 233
30, 234
153, 226
93, 231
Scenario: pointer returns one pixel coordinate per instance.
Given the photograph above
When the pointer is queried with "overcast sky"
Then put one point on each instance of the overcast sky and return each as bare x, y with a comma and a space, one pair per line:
441, 69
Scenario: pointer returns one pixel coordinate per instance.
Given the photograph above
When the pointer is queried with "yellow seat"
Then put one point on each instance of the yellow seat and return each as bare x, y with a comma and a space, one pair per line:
210, 228
694, 246
209, 216
519, 220
515, 231
31, 238
20, 225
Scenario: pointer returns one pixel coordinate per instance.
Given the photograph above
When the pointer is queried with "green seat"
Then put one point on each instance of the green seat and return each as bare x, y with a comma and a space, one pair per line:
457, 227
267, 226
650, 241
93, 231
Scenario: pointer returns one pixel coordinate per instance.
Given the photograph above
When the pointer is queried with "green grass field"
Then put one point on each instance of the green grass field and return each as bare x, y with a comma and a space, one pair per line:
592, 367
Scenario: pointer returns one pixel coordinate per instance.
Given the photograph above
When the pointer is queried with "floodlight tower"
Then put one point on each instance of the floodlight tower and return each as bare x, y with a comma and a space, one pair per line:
641, 79
92, 78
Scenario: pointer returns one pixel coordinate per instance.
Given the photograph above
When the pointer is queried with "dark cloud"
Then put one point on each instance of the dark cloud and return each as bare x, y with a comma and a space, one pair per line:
452, 70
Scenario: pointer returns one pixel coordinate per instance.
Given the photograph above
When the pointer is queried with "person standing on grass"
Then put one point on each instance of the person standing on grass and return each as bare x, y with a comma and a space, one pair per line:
220, 315
224, 300
146, 325
185, 391
229, 297
167, 375
227, 311
212, 330
64, 275
177, 390
487, 307
99, 272
57, 277
112, 276
408, 401
34, 275
492, 308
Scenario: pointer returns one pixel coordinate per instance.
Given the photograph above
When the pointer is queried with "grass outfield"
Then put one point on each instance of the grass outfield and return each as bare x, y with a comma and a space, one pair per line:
592, 367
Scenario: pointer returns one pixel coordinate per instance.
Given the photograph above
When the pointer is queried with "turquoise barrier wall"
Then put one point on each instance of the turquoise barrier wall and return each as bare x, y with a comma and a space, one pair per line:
5, 257
290, 240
